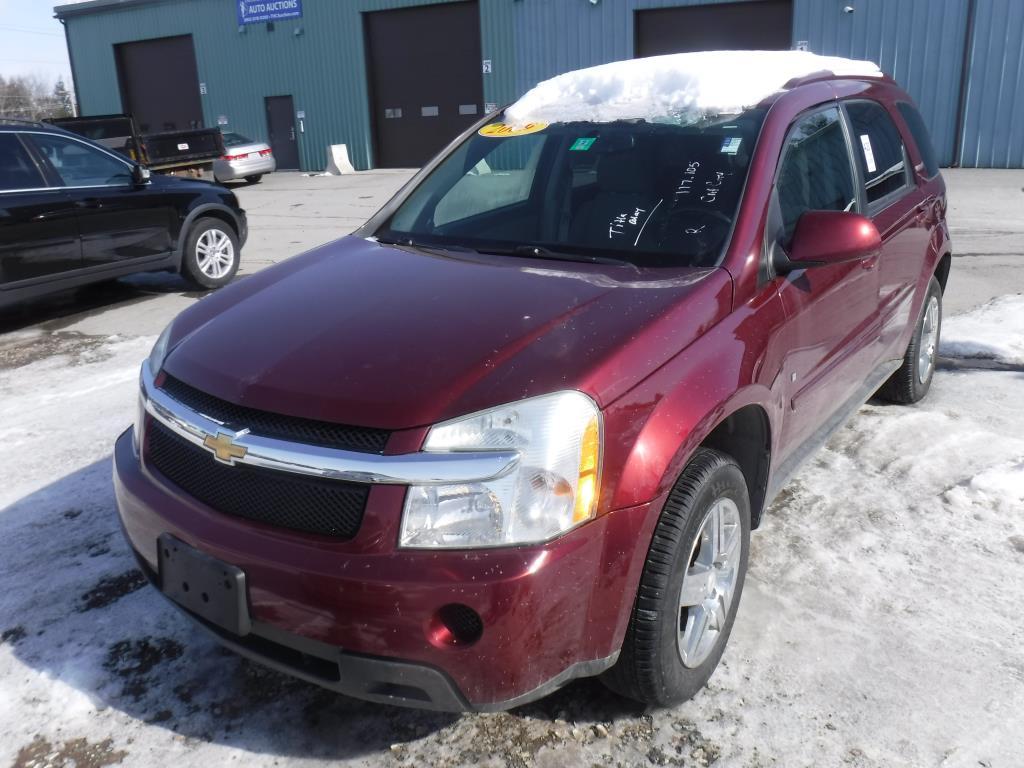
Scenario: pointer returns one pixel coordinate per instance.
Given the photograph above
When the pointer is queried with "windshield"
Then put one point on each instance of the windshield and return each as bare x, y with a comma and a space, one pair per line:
236, 140
652, 194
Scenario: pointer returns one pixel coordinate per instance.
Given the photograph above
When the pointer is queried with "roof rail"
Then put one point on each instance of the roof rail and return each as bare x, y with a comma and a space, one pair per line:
827, 74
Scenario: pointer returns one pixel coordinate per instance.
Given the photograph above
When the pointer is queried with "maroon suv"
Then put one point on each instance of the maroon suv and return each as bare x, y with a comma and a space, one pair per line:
517, 429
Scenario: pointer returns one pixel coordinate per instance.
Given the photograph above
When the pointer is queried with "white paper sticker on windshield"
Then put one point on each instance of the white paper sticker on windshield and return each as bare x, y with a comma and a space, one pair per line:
869, 155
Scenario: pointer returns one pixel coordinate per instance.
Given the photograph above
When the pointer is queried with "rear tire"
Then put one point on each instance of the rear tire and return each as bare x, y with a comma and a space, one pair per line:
688, 582
211, 254
911, 382
254, 179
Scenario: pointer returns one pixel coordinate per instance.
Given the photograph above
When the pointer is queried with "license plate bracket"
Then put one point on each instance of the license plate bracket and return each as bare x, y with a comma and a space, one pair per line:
210, 588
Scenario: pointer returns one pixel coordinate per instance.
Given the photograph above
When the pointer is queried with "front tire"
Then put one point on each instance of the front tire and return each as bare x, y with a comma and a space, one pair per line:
911, 382
211, 254
690, 586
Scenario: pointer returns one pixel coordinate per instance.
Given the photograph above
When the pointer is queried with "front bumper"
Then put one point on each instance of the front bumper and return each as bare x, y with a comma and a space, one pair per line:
360, 616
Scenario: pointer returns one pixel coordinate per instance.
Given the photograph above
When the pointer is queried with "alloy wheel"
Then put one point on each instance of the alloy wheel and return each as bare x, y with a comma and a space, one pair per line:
215, 253
709, 583
929, 340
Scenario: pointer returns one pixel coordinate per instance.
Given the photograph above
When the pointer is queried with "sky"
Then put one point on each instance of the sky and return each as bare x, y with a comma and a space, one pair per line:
32, 41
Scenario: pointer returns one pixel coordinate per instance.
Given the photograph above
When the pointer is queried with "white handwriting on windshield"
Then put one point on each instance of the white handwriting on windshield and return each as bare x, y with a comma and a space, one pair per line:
688, 176
711, 187
621, 221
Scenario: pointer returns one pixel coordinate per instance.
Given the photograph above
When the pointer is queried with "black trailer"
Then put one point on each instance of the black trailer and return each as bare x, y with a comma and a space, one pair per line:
191, 150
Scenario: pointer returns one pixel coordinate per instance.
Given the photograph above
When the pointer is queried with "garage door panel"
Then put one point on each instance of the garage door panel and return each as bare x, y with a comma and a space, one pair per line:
424, 67
160, 83
758, 25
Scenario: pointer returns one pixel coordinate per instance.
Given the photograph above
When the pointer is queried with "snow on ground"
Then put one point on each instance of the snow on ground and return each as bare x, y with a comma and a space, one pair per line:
679, 84
881, 624
993, 332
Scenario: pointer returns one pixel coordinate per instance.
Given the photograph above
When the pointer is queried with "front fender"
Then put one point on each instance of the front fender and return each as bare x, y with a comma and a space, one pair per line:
653, 430
655, 427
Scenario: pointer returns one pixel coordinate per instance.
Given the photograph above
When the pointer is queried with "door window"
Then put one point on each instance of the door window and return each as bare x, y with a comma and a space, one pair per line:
816, 174
17, 171
879, 149
80, 165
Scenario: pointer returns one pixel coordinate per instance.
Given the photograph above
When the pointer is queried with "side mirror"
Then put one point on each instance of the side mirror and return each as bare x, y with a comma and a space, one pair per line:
140, 175
822, 238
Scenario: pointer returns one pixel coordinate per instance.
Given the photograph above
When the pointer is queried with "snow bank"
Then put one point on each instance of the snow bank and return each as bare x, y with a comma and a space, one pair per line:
681, 84
994, 331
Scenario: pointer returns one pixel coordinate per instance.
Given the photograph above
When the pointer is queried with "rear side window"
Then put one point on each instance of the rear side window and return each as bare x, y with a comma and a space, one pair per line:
236, 140
17, 171
879, 149
923, 141
816, 174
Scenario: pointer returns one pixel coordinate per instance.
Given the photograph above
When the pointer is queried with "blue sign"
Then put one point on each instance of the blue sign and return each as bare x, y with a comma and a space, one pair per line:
259, 11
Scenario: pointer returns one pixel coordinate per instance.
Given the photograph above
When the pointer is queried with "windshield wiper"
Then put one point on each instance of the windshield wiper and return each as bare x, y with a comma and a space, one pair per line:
540, 252
532, 251
408, 242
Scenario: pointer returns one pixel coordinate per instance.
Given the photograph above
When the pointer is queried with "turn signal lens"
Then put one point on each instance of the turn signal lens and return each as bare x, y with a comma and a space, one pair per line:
586, 488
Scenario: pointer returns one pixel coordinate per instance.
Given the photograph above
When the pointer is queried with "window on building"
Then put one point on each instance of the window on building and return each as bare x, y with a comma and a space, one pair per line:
816, 174
80, 165
17, 171
922, 139
879, 149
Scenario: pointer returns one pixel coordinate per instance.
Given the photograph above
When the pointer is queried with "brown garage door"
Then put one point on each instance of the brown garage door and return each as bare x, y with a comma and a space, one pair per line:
424, 67
160, 84
761, 25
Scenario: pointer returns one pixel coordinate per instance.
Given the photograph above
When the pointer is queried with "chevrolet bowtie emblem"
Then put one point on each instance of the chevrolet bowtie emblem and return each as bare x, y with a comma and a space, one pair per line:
224, 448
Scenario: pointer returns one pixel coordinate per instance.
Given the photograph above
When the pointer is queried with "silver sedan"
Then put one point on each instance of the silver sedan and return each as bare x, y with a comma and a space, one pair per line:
243, 159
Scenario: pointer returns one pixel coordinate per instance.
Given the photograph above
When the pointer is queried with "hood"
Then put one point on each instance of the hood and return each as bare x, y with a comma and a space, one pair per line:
371, 335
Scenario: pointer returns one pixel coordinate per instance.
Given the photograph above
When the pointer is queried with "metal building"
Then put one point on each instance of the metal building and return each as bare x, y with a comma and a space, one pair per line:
395, 79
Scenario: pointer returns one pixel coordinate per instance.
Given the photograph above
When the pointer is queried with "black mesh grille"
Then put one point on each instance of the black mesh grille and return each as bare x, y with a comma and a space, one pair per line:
312, 505
462, 621
267, 424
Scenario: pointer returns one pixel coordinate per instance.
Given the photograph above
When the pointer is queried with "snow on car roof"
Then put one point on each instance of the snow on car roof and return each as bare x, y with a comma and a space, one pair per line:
678, 86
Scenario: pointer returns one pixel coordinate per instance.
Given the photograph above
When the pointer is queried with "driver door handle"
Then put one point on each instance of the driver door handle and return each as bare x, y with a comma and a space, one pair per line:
89, 202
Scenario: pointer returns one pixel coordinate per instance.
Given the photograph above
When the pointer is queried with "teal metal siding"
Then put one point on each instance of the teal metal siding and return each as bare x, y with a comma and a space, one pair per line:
920, 42
993, 133
323, 68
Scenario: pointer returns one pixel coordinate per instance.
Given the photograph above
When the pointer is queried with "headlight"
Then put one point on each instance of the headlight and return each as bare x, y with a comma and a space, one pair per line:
159, 353
553, 489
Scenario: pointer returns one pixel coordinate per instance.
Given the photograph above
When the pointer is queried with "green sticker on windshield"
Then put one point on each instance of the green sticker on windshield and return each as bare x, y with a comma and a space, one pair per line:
582, 145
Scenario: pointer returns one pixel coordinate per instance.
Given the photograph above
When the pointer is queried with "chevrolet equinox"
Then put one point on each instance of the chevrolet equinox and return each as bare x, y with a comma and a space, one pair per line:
517, 429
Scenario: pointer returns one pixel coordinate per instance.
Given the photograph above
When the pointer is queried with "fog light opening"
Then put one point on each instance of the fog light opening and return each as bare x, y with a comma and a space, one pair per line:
455, 625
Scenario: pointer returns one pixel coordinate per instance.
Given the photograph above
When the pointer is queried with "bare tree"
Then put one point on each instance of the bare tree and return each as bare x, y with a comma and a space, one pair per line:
29, 97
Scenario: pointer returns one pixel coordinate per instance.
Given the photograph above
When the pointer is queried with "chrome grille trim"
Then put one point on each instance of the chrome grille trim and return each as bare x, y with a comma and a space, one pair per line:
316, 461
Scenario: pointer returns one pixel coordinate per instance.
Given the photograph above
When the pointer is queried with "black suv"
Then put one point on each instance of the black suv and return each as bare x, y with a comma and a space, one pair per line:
73, 212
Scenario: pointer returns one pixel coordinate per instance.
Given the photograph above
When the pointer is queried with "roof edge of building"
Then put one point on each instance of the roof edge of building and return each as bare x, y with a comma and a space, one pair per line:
78, 9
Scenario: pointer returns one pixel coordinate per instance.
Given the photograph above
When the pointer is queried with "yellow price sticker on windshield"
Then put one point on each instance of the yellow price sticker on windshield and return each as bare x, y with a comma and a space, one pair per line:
502, 130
